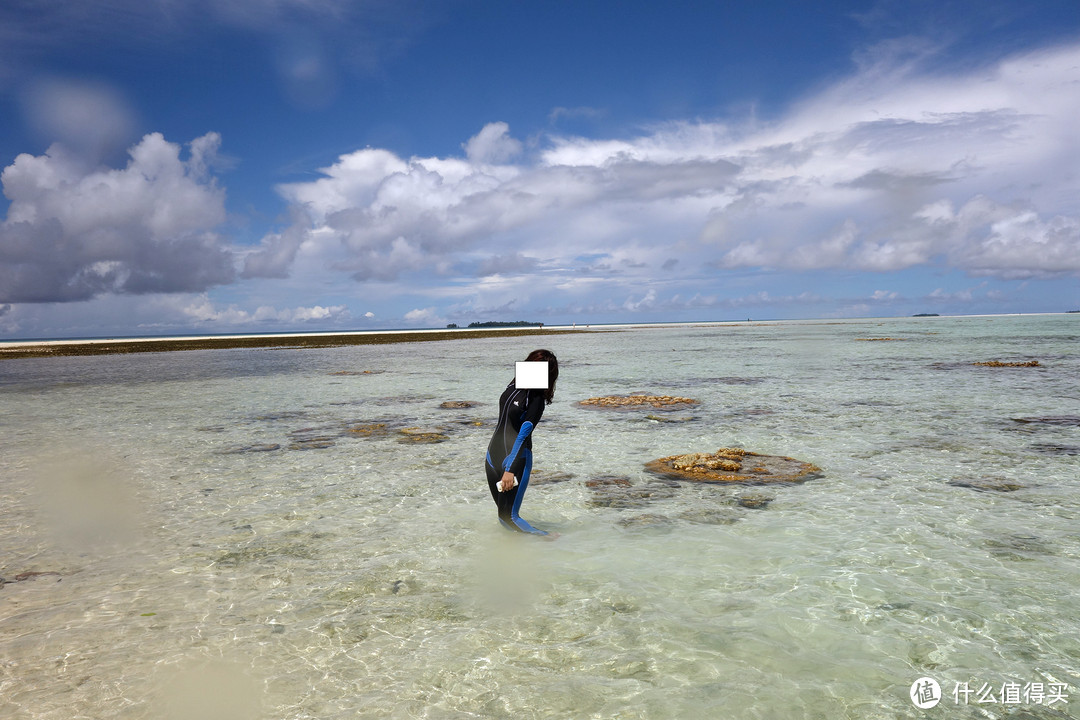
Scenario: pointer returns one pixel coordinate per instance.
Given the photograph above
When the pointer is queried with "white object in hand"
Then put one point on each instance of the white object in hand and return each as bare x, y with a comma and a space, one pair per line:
509, 488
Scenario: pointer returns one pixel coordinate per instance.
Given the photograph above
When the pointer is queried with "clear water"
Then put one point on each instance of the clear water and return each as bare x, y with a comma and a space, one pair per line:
201, 573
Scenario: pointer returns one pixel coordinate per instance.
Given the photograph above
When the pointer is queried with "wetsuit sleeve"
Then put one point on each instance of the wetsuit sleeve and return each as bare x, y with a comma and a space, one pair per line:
536, 407
532, 416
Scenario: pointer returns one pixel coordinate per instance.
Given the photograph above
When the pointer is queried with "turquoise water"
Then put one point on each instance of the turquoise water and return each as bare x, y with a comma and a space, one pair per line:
226, 547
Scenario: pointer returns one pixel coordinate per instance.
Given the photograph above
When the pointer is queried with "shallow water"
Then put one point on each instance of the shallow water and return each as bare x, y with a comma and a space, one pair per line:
227, 547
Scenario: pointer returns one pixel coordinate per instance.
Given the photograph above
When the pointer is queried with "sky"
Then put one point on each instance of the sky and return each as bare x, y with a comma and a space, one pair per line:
197, 167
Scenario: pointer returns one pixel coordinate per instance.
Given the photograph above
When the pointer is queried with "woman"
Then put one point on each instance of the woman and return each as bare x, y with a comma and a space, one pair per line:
509, 455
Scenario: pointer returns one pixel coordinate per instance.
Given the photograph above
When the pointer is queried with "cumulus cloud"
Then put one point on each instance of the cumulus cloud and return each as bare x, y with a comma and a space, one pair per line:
424, 316
890, 169
202, 310
645, 303
492, 145
378, 216
72, 233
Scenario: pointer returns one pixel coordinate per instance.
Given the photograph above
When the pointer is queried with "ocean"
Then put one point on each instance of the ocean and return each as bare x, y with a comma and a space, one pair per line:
284, 533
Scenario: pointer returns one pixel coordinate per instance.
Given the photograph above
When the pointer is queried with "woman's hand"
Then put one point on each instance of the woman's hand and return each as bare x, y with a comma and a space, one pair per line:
507, 482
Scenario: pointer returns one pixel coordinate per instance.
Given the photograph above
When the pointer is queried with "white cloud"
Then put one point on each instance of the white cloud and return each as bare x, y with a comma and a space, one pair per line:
940, 295
424, 316
887, 170
645, 303
203, 311
163, 314
492, 145
72, 233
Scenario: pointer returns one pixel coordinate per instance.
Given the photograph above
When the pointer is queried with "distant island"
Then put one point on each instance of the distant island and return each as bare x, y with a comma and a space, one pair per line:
495, 324
926, 315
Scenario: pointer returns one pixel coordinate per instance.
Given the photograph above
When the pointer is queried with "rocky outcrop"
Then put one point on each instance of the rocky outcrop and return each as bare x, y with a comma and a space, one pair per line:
734, 465
658, 402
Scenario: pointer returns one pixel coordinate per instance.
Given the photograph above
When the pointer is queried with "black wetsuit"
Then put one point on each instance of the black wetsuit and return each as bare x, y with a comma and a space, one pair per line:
510, 450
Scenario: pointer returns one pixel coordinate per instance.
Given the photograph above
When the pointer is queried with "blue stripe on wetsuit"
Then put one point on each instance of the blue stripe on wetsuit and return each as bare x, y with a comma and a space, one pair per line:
516, 522
526, 428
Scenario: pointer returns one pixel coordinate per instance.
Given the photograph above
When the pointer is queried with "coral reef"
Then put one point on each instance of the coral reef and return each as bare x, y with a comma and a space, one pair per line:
368, 429
734, 465
999, 364
659, 402
419, 436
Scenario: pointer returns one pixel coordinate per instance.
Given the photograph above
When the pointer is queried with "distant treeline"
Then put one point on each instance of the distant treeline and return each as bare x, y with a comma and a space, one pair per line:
494, 324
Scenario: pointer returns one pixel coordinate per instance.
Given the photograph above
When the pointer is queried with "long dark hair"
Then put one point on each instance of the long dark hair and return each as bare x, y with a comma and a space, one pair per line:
553, 370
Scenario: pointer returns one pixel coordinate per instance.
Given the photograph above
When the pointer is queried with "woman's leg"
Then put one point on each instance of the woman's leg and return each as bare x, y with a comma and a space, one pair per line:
512, 503
493, 477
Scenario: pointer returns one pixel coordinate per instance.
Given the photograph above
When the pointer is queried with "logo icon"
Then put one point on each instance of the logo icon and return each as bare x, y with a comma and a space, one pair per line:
925, 693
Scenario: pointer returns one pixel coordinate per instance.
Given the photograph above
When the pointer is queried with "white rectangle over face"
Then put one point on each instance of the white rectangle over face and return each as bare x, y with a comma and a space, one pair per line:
532, 375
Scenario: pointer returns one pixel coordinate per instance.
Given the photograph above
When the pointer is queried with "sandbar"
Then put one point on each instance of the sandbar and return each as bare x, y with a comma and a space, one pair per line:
61, 348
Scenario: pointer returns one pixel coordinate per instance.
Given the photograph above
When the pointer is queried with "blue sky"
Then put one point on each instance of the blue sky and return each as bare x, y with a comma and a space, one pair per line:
170, 166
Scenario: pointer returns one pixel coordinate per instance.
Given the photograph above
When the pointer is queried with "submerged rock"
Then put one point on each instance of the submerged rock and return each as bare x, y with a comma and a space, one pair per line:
754, 502
648, 520
550, 478
312, 443
368, 429
282, 415
711, 516
734, 465
1055, 449
30, 575
616, 491
999, 364
988, 484
673, 419
420, 436
1017, 547
254, 447
659, 402
457, 404
1055, 420
608, 481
